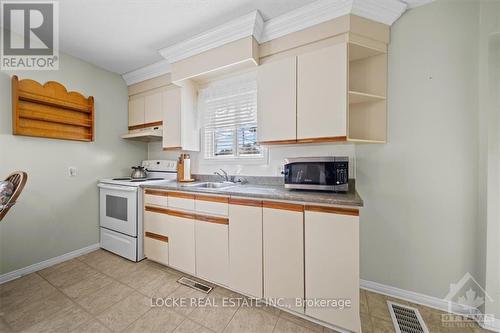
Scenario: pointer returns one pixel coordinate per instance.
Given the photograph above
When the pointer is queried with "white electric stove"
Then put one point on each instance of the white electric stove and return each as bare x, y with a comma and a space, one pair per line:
120, 213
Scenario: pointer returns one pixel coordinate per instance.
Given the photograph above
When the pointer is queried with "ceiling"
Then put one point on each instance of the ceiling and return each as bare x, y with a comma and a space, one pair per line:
123, 35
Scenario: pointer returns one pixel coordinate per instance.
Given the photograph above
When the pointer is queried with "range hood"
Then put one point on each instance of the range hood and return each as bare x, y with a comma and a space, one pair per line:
145, 135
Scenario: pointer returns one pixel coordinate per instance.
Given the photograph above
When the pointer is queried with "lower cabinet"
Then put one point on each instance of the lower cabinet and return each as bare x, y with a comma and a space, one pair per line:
332, 264
181, 246
156, 247
283, 231
156, 235
212, 253
245, 246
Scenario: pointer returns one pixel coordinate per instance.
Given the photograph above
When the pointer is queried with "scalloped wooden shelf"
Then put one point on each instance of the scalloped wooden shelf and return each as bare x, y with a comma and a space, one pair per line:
50, 111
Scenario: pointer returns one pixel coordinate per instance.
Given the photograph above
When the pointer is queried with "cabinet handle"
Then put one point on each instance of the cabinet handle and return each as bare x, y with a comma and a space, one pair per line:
156, 236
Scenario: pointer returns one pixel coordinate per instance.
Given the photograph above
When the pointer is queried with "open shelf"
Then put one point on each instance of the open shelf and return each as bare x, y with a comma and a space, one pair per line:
358, 52
356, 97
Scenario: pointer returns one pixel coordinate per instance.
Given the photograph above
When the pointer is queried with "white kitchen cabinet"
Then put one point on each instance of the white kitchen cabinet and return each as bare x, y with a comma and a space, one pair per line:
212, 253
181, 241
181, 200
155, 198
276, 101
180, 121
283, 232
332, 263
322, 93
245, 247
156, 247
136, 111
156, 222
153, 107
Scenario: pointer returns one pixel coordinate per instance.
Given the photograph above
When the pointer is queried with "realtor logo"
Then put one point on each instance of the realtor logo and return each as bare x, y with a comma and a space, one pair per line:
30, 35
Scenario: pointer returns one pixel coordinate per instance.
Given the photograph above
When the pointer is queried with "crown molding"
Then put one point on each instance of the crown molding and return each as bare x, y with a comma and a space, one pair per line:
147, 72
416, 3
251, 24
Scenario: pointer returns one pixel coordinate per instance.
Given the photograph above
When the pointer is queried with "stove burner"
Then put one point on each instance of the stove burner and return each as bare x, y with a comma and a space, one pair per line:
125, 178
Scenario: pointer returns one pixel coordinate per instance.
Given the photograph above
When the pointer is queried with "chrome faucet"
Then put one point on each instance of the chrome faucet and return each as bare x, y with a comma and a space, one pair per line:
224, 175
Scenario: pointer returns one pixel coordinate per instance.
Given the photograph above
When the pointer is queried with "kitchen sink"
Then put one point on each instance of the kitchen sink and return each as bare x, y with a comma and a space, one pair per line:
210, 185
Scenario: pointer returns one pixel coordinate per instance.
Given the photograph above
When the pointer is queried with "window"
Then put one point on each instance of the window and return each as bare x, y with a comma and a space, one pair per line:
229, 112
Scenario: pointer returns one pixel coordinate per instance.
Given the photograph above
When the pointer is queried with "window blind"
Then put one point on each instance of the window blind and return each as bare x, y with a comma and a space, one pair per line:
229, 113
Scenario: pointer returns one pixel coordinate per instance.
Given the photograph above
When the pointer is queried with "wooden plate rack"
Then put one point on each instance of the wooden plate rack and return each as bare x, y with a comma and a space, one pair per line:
50, 111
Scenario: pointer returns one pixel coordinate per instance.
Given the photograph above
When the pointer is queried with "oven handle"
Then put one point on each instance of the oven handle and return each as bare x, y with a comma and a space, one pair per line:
117, 188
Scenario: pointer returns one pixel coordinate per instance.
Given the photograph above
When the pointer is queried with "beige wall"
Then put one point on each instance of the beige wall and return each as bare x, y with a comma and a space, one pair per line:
418, 229
57, 214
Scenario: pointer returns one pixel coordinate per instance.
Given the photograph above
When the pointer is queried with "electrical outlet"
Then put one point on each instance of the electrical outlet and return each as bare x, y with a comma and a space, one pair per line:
72, 171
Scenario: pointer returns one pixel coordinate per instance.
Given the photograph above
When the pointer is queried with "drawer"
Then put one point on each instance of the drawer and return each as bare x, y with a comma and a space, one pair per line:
183, 201
118, 243
156, 247
215, 205
156, 222
155, 198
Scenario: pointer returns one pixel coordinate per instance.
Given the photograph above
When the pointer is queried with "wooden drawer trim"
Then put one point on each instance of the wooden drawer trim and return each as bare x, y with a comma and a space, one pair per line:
283, 206
156, 123
324, 139
211, 198
333, 210
172, 148
156, 236
156, 210
245, 202
156, 192
212, 219
185, 215
278, 142
181, 195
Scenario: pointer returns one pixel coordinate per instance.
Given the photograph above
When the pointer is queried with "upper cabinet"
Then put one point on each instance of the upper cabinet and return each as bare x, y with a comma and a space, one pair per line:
321, 94
145, 109
180, 121
325, 94
276, 102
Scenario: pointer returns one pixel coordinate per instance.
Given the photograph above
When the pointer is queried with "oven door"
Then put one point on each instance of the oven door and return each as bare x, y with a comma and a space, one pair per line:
118, 208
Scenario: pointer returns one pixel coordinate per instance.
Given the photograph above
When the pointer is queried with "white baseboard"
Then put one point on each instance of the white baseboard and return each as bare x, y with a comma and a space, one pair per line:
47, 263
426, 300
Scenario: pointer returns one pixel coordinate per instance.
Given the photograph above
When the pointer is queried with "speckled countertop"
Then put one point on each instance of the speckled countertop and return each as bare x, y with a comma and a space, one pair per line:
271, 192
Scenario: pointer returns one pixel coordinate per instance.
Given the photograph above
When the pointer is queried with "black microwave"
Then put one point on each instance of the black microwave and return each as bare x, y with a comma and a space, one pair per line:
329, 173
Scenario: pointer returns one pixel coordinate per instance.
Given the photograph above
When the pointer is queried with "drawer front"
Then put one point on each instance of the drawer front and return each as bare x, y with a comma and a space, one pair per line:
120, 244
156, 223
212, 205
156, 248
155, 200
181, 201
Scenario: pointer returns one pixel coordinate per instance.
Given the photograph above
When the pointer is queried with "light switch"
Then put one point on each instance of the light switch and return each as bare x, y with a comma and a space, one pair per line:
72, 171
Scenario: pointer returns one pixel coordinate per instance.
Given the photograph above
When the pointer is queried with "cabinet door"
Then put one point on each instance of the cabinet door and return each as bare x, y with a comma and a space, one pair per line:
332, 266
322, 93
153, 106
283, 231
172, 118
212, 254
181, 243
135, 111
156, 247
276, 102
245, 247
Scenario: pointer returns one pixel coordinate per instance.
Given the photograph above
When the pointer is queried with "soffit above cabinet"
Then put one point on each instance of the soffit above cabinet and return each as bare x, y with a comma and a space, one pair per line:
252, 24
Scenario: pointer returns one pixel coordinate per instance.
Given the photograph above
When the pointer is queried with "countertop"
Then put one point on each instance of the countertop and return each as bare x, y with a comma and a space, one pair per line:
270, 192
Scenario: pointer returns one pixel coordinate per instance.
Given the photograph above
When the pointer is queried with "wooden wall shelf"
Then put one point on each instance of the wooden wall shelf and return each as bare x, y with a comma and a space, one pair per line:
50, 111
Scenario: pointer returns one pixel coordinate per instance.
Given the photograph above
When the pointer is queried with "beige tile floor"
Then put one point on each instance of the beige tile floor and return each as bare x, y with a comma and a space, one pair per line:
101, 292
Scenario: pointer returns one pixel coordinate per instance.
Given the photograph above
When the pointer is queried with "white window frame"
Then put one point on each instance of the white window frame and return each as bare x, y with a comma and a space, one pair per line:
261, 159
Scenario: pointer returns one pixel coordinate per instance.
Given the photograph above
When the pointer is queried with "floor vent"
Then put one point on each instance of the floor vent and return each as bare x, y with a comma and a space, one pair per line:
195, 285
406, 319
